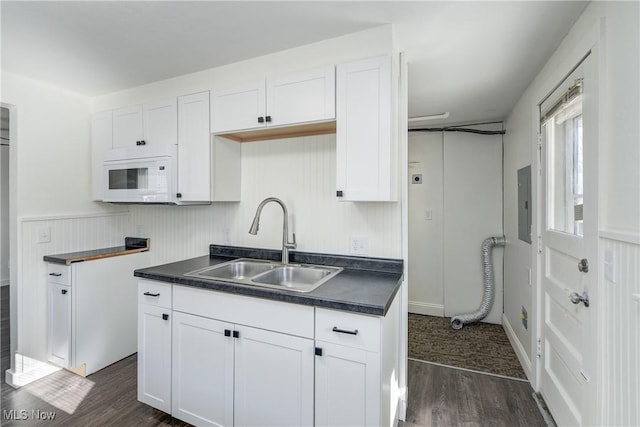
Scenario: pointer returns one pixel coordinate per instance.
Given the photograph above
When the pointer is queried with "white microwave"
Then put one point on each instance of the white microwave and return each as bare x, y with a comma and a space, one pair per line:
141, 174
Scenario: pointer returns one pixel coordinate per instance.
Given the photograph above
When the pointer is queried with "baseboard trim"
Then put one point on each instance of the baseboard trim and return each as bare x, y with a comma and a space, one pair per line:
426, 309
517, 347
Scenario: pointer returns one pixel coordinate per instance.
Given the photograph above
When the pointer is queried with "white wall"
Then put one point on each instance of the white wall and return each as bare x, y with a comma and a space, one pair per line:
617, 24
53, 146
301, 172
426, 237
462, 186
52, 179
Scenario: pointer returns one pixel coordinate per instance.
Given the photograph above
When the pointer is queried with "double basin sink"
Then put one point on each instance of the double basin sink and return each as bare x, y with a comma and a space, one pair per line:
268, 274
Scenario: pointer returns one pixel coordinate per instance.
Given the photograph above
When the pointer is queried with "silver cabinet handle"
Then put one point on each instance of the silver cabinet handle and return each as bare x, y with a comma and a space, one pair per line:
577, 299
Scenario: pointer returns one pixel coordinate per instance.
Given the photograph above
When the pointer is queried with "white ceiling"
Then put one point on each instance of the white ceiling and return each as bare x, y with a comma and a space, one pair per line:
471, 58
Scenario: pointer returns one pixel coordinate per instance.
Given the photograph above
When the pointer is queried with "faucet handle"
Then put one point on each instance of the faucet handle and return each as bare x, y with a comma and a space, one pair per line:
292, 245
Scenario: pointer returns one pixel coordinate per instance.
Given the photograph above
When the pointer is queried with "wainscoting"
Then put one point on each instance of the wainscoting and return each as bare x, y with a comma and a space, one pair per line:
620, 331
67, 234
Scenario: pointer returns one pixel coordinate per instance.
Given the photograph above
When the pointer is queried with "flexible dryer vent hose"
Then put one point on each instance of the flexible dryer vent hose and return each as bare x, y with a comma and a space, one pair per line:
457, 322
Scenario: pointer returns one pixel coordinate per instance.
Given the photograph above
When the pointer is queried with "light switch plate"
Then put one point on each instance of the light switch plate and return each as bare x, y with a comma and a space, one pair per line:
44, 235
609, 265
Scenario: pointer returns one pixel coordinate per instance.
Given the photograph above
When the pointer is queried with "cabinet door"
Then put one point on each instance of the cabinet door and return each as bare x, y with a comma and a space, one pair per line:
348, 386
101, 142
154, 356
59, 324
274, 379
127, 126
238, 108
202, 371
365, 148
194, 148
302, 97
160, 121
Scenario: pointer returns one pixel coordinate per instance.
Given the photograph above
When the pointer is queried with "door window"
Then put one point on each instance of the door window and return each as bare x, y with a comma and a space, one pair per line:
562, 128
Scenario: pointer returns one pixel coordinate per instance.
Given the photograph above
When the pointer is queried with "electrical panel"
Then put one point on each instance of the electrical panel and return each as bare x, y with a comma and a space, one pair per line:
524, 204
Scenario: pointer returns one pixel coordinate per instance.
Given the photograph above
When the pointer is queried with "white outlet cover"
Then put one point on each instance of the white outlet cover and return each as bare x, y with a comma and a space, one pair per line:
359, 245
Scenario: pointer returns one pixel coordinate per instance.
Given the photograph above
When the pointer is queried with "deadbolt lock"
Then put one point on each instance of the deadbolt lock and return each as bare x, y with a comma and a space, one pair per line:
583, 265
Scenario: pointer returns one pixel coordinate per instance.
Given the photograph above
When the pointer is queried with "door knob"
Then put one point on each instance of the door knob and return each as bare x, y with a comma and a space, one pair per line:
577, 299
583, 265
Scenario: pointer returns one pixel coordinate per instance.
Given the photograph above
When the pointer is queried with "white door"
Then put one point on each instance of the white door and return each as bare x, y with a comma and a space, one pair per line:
568, 215
127, 126
194, 148
274, 379
154, 356
348, 386
303, 97
160, 121
238, 108
202, 370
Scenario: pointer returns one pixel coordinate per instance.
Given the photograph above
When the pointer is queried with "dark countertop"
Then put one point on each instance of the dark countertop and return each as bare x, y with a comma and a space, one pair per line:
132, 245
366, 285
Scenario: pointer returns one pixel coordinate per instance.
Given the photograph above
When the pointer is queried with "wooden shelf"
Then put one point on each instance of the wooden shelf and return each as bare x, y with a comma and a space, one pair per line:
282, 132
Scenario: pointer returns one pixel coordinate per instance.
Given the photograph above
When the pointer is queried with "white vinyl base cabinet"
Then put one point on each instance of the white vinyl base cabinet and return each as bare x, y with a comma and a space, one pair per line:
154, 344
92, 302
243, 361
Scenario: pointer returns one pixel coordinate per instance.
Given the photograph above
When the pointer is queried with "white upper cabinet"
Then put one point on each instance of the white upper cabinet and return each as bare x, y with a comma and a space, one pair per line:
365, 144
101, 142
127, 126
302, 97
238, 108
152, 123
194, 152
298, 98
160, 122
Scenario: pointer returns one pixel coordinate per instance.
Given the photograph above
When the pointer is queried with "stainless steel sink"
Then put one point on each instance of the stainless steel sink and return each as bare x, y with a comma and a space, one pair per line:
245, 271
296, 277
237, 270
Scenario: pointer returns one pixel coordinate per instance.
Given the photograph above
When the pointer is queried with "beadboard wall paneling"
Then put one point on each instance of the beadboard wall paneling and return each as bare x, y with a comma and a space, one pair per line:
299, 171
68, 234
620, 332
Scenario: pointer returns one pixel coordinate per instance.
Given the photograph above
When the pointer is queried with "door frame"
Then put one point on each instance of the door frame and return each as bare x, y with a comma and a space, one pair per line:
15, 297
566, 59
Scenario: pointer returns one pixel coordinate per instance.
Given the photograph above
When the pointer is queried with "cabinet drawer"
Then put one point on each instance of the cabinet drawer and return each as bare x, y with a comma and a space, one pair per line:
292, 319
154, 293
349, 329
58, 273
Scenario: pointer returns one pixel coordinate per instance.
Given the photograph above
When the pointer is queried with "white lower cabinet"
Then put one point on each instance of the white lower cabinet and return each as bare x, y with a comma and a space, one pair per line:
202, 371
154, 356
243, 361
226, 374
348, 386
59, 323
273, 379
357, 368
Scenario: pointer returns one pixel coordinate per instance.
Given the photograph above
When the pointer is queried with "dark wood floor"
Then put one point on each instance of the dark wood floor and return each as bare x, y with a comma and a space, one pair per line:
438, 396
442, 396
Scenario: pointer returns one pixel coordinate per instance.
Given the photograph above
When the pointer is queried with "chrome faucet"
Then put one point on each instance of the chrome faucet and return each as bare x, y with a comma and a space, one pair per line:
286, 245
